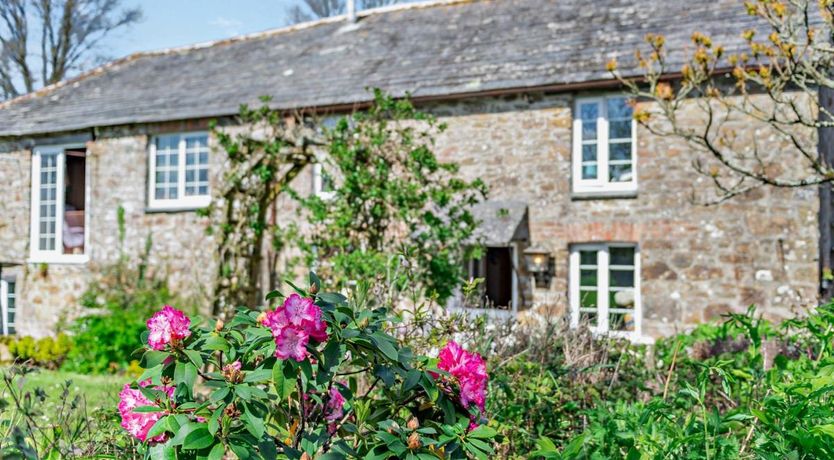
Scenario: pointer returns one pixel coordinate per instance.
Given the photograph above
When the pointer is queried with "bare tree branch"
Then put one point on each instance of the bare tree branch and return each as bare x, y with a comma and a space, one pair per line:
69, 31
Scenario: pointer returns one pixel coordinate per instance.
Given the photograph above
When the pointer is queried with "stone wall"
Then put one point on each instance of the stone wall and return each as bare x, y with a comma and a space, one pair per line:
697, 261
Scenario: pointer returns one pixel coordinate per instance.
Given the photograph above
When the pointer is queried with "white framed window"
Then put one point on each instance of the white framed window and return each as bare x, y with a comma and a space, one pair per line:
179, 171
605, 288
59, 220
604, 146
8, 296
322, 182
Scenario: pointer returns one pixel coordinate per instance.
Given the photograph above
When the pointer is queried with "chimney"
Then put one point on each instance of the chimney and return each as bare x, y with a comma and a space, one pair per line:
351, 10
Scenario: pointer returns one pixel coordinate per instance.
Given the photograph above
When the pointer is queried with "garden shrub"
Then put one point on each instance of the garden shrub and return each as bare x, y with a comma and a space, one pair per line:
319, 376
46, 352
743, 389
118, 304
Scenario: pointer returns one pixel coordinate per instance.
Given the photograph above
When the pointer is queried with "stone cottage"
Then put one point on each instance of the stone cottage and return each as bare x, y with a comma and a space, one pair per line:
601, 209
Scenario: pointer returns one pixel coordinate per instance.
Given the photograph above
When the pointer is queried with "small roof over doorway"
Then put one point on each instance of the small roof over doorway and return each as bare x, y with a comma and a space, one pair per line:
501, 222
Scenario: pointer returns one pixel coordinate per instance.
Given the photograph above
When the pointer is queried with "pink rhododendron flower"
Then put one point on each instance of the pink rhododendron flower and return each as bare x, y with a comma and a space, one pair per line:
139, 423
469, 369
293, 324
166, 326
291, 343
335, 405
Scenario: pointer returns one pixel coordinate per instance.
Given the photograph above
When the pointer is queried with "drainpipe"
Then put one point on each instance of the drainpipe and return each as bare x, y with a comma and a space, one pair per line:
351, 10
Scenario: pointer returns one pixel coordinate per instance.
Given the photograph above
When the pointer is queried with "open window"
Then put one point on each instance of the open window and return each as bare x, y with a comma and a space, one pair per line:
605, 288
59, 204
8, 308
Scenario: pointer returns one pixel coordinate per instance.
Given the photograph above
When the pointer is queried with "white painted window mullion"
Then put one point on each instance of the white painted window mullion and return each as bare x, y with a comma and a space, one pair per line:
602, 289
60, 198
574, 287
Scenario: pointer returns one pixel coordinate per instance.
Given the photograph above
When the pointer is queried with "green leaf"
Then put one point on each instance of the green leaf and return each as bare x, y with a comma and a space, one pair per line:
219, 394
198, 438
148, 409
217, 452
258, 375
185, 373
482, 432
411, 379
284, 379
384, 345
153, 358
253, 423
274, 295
194, 357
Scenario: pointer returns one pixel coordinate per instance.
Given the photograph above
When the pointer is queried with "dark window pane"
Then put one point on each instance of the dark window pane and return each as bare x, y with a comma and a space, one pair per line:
620, 173
588, 278
621, 255
619, 129
621, 278
589, 130
619, 150
618, 108
589, 171
203, 175
588, 299
588, 257
589, 111
589, 152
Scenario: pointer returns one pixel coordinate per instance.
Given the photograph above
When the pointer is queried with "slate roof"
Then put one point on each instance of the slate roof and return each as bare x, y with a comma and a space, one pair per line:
436, 50
501, 222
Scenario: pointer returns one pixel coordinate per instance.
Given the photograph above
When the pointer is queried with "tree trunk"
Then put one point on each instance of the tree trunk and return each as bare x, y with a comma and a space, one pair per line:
826, 212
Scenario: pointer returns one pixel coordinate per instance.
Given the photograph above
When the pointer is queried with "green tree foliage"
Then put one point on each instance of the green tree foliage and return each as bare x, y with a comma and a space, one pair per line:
391, 196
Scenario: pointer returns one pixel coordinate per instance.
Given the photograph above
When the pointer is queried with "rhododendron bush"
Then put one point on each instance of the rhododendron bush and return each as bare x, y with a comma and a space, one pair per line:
316, 375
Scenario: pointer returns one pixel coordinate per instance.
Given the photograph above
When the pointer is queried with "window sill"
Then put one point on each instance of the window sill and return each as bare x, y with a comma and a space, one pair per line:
178, 206
603, 194
61, 259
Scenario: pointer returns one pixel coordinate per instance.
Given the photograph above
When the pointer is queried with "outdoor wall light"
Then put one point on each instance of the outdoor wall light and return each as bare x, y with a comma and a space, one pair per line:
540, 264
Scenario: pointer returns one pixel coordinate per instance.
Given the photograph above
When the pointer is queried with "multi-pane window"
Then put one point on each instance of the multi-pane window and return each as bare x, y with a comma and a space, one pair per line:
179, 171
605, 288
47, 209
603, 150
59, 202
7, 307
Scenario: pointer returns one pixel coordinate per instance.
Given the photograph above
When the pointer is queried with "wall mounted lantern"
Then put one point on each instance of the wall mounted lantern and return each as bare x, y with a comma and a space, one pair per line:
540, 264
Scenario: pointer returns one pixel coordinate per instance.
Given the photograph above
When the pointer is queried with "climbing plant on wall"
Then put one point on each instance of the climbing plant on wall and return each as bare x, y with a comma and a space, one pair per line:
265, 150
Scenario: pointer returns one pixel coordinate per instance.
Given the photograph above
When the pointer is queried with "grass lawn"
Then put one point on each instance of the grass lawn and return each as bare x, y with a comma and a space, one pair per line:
100, 391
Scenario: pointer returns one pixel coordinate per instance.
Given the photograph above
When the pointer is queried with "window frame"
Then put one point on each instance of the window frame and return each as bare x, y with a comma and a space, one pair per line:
600, 185
56, 255
515, 295
603, 285
182, 202
318, 183
4, 306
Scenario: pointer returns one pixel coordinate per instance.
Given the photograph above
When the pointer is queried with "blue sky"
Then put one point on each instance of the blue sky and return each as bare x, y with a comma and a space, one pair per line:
169, 23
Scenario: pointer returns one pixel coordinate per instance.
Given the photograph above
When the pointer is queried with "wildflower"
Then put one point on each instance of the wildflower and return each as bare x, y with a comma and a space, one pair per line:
139, 423
469, 369
293, 324
167, 326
